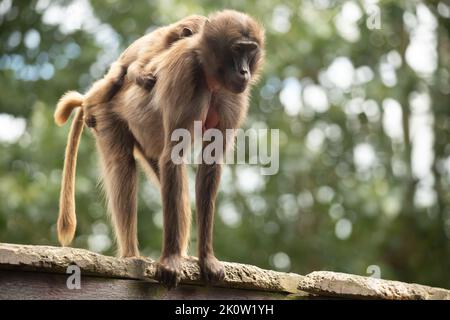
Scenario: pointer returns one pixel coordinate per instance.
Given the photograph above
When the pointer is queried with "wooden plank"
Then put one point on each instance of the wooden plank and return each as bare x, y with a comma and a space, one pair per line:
52, 286
104, 273
57, 259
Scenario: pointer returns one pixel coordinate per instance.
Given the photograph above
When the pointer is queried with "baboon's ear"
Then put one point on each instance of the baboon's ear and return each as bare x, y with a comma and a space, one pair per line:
187, 32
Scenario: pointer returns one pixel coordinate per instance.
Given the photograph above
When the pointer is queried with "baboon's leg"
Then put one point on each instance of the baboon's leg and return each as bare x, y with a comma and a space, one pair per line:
206, 186
177, 218
115, 144
175, 196
174, 188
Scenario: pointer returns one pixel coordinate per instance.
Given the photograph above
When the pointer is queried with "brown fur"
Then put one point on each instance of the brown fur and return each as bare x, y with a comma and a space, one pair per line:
131, 63
195, 81
67, 219
69, 101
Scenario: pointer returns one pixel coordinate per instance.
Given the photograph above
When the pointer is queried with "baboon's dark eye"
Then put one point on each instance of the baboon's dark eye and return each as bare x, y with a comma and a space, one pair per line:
246, 45
236, 49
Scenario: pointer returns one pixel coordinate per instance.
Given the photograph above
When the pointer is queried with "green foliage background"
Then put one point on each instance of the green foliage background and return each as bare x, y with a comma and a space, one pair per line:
291, 221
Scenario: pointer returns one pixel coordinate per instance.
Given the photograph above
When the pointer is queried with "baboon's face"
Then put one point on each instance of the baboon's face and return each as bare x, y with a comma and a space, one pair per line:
234, 44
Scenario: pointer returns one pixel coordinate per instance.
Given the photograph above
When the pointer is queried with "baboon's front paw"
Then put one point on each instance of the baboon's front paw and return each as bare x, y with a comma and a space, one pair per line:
146, 81
212, 269
168, 271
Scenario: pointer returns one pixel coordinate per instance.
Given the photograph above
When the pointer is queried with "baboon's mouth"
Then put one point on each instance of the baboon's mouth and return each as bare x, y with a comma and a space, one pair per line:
239, 86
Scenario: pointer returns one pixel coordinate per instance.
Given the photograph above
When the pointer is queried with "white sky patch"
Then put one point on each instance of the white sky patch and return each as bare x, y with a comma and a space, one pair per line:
421, 54
325, 194
229, 215
281, 261
336, 211
79, 14
32, 39
289, 206
392, 119
346, 21
47, 71
420, 103
443, 9
422, 136
5, 6
391, 206
324, 81
399, 168
227, 180
281, 19
343, 229
388, 65
333, 132
388, 75
99, 240
290, 96
425, 195
315, 139
422, 139
394, 58
351, 11
354, 107
14, 39
315, 97
305, 199
321, 4
371, 109
341, 72
99, 228
249, 180
11, 128
257, 204
363, 75
364, 156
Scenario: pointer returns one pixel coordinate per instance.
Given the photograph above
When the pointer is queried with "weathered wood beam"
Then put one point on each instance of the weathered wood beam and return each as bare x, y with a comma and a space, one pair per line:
20, 285
103, 271
343, 285
57, 259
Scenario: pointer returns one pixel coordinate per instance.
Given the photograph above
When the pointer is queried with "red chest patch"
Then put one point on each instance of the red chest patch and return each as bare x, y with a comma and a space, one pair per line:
211, 120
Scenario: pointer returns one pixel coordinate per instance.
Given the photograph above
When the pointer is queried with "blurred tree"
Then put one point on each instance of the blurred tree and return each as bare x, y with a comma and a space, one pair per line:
358, 89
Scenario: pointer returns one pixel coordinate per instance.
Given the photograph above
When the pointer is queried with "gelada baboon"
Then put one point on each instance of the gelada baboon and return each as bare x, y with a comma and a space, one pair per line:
205, 77
131, 63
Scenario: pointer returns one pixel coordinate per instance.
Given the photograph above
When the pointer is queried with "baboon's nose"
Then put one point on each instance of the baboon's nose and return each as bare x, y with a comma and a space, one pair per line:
244, 74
